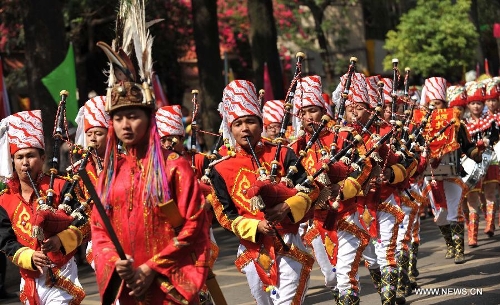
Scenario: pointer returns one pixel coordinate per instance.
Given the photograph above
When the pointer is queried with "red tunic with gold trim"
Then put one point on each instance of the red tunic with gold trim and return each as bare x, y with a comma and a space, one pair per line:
16, 225
179, 255
337, 172
368, 204
230, 179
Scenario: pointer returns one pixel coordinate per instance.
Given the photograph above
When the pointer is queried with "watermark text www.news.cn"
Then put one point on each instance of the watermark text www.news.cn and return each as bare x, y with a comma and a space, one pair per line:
449, 291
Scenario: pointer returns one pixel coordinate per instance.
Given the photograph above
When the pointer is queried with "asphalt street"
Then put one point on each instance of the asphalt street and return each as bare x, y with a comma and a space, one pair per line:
475, 282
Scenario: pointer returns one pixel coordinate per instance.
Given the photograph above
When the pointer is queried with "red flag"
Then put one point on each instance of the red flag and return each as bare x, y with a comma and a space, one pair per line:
161, 98
496, 30
268, 87
4, 98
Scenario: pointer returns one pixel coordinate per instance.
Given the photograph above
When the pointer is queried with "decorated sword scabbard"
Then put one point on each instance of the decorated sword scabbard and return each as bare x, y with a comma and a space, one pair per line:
288, 109
57, 135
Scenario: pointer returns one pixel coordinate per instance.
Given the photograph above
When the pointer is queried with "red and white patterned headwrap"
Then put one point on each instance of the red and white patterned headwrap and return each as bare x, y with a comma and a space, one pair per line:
239, 99
17, 131
308, 93
169, 121
372, 86
92, 114
358, 91
273, 111
434, 89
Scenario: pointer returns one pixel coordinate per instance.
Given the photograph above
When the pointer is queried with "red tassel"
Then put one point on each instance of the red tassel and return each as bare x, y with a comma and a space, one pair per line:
486, 67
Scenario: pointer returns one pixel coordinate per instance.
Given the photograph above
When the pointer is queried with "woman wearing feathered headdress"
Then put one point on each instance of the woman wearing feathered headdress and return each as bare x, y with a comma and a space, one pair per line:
152, 198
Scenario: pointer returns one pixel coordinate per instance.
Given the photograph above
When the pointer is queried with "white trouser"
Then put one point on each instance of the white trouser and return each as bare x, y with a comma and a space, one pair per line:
380, 252
324, 263
453, 194
55, 295
289, 273
350, 248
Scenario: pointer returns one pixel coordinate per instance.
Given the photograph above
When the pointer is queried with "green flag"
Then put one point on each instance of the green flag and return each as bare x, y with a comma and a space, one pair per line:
64, 78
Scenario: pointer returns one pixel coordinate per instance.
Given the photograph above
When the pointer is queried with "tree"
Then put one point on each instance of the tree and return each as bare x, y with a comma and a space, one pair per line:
435, 38
263, 39
206, 35
46, 47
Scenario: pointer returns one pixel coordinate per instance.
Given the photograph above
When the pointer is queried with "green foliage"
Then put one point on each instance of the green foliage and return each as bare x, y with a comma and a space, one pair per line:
436, 38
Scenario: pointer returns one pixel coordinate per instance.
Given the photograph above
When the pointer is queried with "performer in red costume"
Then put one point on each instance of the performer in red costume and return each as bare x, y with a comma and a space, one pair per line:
91, 134
379, 209
335, 234
491, 183
151, 196
277, 272
171, 130
445, 189
272, 113
472, 97
49, 274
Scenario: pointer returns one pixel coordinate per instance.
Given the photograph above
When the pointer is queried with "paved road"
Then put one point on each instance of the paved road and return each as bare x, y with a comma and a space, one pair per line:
475, 282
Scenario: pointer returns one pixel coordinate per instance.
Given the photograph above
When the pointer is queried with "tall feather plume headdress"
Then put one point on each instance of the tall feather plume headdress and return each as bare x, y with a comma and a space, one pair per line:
129, 85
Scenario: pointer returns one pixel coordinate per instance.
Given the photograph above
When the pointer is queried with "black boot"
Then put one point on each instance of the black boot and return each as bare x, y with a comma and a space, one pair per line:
450, 247
348, 297
3, 271
457, 230
403, 280
412, 269
388, 285
376, 276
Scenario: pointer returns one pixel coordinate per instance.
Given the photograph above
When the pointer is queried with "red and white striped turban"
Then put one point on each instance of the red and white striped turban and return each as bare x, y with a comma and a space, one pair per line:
239, 99
169, 121
358, 91
372, 85
434, 89
476, 91
273, 111
308, 93
25, 130
17, 131
92, 114
456, 96
387, 90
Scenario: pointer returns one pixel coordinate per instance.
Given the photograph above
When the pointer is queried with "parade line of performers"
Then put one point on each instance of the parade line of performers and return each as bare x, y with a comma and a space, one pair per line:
297, 181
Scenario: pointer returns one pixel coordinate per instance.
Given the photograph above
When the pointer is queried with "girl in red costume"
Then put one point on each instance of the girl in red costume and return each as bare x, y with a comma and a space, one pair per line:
151, 196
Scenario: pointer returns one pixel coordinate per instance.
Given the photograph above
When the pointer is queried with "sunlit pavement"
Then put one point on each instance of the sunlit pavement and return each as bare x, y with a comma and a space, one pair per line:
475, 282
